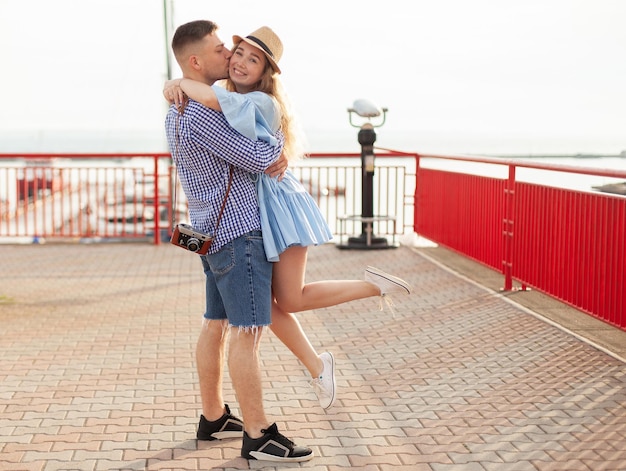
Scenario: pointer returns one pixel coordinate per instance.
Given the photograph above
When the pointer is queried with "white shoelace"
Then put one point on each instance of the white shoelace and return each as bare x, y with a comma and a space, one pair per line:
387, 300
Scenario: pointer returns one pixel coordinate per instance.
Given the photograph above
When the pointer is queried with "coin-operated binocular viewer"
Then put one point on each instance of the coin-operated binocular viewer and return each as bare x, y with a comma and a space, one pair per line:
367, 136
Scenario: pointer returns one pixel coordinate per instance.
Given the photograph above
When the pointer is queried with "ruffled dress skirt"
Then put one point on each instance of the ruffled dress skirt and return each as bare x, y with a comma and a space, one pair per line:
289, 215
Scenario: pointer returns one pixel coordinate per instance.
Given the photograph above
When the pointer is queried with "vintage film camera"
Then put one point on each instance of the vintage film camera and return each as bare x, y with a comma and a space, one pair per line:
188, 238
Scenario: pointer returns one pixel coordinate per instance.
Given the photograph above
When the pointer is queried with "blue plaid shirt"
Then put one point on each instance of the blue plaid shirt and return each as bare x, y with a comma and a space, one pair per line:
205, 145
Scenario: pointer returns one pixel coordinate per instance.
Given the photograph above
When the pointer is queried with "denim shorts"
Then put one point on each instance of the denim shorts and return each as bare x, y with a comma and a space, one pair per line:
239, 282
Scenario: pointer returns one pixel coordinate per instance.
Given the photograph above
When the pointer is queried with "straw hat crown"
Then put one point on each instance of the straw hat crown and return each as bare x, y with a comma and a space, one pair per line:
267, 41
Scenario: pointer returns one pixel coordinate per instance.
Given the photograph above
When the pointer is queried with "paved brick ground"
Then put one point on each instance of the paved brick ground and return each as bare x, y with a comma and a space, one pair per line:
97, 371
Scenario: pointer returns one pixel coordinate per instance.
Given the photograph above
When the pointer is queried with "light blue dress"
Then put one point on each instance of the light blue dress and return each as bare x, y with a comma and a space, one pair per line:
289, 214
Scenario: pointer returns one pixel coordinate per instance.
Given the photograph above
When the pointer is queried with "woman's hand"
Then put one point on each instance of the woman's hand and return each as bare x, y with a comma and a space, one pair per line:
173, 93
279, 167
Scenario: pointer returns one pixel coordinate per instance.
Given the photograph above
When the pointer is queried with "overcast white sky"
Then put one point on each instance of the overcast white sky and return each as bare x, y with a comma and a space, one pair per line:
458, 76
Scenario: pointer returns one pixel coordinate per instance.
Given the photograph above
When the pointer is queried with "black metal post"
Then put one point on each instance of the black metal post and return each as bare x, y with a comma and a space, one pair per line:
367, 137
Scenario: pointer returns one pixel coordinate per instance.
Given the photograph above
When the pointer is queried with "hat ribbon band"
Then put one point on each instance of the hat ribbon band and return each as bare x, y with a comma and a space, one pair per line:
262, 44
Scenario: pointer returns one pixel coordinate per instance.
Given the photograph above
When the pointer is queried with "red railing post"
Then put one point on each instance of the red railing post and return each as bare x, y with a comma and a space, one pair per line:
157, 233
507, 230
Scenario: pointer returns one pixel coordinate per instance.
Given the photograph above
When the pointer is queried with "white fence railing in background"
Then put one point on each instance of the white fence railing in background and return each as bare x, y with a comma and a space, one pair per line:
99, 196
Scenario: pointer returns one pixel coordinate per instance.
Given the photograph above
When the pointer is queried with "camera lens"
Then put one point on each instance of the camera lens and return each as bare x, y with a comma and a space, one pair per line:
193, 244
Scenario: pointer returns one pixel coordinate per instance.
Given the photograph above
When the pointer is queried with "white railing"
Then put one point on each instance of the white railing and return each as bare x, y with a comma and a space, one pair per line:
105, 196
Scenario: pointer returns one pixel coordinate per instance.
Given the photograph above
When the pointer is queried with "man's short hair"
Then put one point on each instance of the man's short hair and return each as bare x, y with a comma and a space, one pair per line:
190, 33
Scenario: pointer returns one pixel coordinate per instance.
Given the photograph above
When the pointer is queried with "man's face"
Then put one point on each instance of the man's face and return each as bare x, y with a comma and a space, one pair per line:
213, 58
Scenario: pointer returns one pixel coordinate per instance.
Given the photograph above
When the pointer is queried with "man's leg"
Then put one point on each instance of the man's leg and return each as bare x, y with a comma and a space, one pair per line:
210, 364
245, 372
244, 278
216, 421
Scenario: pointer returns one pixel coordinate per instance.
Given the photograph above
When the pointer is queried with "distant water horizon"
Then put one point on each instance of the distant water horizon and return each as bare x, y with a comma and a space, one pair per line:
317, 141
147, 142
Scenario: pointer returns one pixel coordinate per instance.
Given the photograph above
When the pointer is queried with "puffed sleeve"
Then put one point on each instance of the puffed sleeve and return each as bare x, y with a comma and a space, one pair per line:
252, 114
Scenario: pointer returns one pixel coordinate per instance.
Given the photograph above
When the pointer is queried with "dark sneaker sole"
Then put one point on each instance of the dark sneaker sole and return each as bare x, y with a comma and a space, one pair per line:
221, 435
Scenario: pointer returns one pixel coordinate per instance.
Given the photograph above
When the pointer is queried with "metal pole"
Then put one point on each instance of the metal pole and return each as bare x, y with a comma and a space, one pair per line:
167, 28
367, 137
367, 239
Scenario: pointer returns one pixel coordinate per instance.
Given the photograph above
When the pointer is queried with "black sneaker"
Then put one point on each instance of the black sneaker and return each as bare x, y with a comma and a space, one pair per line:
273, 446
227, 426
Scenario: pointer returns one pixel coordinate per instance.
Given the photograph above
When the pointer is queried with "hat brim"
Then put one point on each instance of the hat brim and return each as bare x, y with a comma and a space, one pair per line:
238, 39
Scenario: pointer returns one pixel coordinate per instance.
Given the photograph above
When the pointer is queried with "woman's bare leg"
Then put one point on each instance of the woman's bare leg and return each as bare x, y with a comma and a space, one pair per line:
286, 327
321, 367
293, 295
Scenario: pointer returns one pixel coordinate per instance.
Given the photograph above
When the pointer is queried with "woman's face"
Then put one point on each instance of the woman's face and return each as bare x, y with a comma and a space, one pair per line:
246, 67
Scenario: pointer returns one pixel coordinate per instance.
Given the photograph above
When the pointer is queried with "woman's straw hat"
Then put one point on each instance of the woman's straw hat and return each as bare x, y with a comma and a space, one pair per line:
266, 40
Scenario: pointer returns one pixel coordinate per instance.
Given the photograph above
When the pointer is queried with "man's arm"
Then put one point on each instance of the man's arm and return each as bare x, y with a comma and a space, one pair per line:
206, 95
210, 130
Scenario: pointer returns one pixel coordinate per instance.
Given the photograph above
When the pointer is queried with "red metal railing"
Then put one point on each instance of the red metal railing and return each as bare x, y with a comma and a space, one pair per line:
567, 243
84, 195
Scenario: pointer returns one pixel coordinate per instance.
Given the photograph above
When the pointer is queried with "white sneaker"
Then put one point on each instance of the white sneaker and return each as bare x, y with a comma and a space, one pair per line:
325, 386
386, 283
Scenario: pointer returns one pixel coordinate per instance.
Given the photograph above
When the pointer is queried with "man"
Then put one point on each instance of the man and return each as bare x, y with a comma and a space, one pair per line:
238, 276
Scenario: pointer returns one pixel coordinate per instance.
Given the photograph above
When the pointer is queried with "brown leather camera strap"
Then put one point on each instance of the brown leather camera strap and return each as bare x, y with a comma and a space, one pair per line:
181, 110
230, 181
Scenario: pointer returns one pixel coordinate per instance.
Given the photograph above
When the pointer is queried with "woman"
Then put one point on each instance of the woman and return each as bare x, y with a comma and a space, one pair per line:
255, 105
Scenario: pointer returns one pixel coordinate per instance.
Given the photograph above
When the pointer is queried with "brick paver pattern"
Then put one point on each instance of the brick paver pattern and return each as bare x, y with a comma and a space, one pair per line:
97, 371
